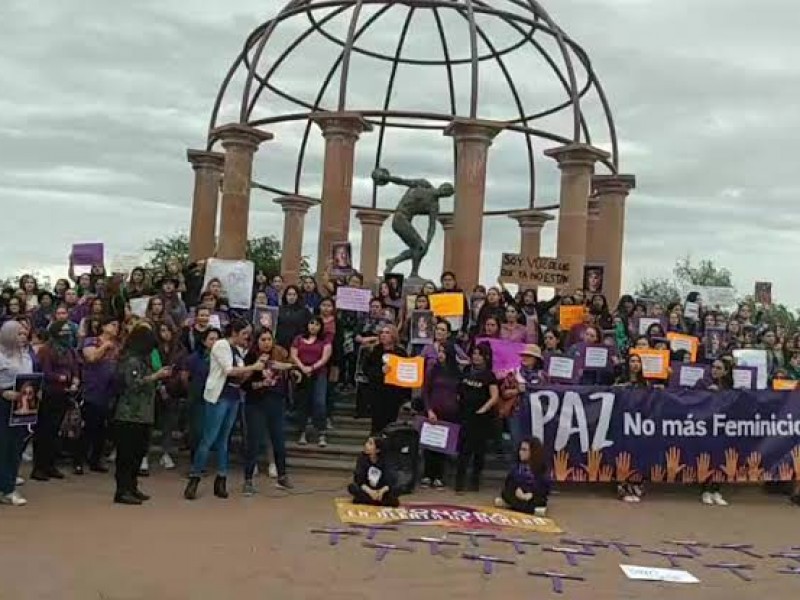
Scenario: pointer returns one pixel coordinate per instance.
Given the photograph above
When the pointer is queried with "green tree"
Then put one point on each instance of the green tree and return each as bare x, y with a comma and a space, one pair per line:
661, 290
265, 252
706, 273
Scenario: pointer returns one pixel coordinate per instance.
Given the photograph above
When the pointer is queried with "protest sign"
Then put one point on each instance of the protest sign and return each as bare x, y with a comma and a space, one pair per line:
713, 296
655, 363
236, 277
593, 278
505, 354
25, 407
715, 340
87, 255
680, 436
763, 293
560, 368
570, 316
405, 372
595, 357
440, 436
754, 357
265, 317
744, 378
691, 311
534, 271
784, 385
653, 574
687, 375
355, 299
341, 259
447, 304
679, 341
139, 306
642, 324
422, 325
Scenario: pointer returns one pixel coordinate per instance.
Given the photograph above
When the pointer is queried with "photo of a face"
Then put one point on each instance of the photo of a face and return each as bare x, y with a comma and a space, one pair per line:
342, 259
764, 293
422, 326
265, 318
714, 342
593, 276
25, 408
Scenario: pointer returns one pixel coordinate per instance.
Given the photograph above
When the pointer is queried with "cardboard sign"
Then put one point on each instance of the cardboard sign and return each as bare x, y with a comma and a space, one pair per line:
679, 341
439, 437
405, 372
655, 363
447, 304
569, 316
236, 277
530, 271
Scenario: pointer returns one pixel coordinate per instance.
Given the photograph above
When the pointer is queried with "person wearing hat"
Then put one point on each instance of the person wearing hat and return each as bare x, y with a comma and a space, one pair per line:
522, 380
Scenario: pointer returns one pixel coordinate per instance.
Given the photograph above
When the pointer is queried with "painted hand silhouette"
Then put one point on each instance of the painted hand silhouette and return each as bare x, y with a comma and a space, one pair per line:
689, 475
595, 459
704, 470
578, 475
754, 470
785, 472
606, 473
741, 473
796, 458
624, 471
731, 464
657, 473
674, 466
719, 477
561, 470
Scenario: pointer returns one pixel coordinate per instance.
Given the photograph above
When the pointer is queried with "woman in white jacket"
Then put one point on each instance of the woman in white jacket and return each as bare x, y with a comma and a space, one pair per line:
223, 396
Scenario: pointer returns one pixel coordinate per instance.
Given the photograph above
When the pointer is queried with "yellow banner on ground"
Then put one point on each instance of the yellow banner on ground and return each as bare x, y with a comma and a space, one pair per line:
444, 515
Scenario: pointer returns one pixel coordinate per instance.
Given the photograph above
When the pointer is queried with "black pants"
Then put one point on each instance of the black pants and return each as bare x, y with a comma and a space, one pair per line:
360, 497
475, 434
132, 441
45, 436
95, 433
434, 465
383, 410
523, 506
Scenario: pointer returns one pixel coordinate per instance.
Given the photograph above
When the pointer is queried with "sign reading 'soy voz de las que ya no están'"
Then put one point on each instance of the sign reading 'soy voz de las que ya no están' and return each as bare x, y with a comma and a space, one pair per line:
536, 271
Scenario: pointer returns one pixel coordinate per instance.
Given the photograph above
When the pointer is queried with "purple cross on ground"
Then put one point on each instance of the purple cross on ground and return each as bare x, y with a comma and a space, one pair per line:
381, 550
372, 530
488, 561
795, 556
734, 568
434, 543
519, 544
335, 533
690, 546
474, 536
671, 555
556, 579
789, 571
743, 548
622, 547
570, 554
587, 545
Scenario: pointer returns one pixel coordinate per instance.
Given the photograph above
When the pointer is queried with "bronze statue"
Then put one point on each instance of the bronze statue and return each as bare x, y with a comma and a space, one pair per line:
419, 200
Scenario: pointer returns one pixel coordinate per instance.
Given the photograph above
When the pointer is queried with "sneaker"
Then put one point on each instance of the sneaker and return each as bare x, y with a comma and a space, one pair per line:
631, 499
322, 443
438, 484
13, 499
78, 470
707, 499
272, 471
144, 468
167, 462
638, 491
27, 456
20, 481
499, 502
284, 483
248, 489
425, 482
329, 424
540, 511
303, 440
718, 500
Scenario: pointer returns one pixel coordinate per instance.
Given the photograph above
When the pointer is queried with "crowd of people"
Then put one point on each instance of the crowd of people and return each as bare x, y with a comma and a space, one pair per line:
194, 365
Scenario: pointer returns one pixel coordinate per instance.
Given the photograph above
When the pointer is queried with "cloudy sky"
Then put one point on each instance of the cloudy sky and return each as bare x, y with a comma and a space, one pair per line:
99, 102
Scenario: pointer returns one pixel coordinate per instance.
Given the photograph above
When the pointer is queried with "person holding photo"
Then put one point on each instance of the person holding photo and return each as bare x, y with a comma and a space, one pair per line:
342, 260
14, 361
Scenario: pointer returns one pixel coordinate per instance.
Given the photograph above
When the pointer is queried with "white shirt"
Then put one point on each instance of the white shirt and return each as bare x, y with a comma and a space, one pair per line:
222, 361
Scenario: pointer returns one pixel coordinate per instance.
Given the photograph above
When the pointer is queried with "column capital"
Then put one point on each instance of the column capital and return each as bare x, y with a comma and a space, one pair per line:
373, 216
531, 218
349, 125
576, 155
613, 184
202, 159
238, 135
447, 220
477, 130
296, 203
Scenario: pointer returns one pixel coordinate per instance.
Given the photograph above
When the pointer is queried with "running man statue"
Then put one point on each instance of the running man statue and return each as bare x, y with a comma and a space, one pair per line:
421, 199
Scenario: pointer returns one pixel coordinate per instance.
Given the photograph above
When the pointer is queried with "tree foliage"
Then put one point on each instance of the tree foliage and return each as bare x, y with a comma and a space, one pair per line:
661, 290
706, 273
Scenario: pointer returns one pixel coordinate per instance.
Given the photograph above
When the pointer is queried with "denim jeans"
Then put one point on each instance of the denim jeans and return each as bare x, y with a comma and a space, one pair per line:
11, 441
218, 422
262, 418
312, 400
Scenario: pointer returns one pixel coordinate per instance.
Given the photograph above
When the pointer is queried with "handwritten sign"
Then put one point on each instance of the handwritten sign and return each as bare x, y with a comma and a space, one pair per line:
355, 299
679, 341
569, 316
655, 363
405, 372
537, 271
439, 437
447, 305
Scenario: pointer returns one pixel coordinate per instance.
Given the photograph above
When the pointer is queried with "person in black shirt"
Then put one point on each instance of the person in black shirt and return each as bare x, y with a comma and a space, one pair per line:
478, 393
373, 481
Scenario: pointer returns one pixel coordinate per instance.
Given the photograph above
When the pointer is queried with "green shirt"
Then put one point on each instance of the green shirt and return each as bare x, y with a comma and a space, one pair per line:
137, 398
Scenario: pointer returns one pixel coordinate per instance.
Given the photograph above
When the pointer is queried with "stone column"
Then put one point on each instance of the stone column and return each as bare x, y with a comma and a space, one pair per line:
531, 222
372, 221
240, 143
447, 222
595, 238
472, 138
611, 192
294, 218
207, 174
341, 131
576, 162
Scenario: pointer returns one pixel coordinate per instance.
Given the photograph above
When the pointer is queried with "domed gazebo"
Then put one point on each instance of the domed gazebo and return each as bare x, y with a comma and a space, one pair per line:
469, 36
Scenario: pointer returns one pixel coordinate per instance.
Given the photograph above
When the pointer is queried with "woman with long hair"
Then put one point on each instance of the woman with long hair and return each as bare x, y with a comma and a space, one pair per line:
292, 317
134, 413
170, 391
527, 484
155, 314
197, 368
14, 361
309, 294
266, 392
385, 399
222, 395
311, 352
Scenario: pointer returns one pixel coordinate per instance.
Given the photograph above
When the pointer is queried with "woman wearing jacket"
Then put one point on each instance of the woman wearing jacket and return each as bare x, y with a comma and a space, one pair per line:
385, 399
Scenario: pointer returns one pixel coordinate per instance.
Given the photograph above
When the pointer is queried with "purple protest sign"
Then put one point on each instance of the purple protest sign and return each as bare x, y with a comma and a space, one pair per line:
560, 369
441, 436
355, 299
745, 378
87, 255
642, 324
505, 354
595, 356
690, 376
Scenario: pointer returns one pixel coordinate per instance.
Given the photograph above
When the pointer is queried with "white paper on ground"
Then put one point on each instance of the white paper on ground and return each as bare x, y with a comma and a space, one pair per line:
654, 574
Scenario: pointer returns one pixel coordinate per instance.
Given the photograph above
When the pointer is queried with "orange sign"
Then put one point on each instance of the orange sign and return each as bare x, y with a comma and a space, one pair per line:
569, 316
655, 363
404, 372
448, 304
679, 341
783, 385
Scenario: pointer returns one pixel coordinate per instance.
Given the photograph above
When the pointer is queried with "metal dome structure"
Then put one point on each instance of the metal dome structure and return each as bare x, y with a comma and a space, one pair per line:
529, 28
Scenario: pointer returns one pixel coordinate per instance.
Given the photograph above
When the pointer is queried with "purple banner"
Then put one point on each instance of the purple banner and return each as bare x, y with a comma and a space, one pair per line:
87, 255
674, 436
505, 355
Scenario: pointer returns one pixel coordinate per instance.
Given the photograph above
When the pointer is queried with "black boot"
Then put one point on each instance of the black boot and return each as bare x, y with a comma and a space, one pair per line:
126, 498
190, 493
141, 495
220, 490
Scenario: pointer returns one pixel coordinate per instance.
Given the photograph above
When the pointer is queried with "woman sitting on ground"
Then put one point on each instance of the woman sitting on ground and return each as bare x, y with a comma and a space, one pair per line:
527, 484
373, 481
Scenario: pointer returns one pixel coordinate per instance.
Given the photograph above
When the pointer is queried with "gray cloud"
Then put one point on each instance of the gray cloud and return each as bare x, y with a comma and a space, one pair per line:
99, 105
